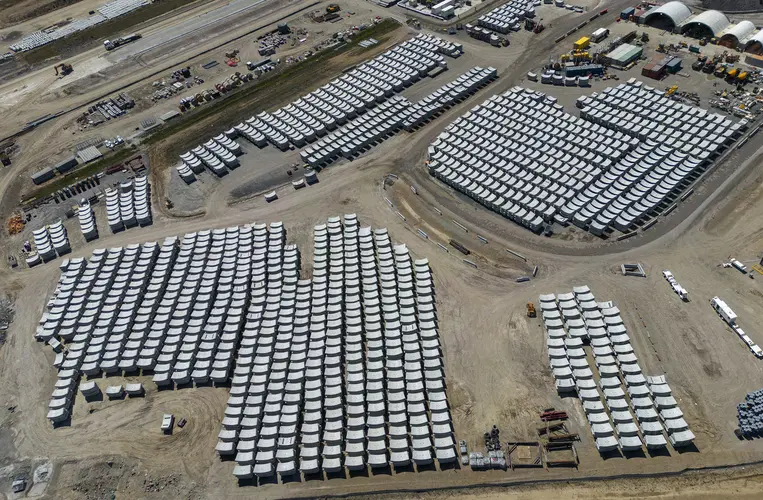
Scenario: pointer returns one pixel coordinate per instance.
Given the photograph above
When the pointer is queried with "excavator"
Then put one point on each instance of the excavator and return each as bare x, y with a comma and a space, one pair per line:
65, 69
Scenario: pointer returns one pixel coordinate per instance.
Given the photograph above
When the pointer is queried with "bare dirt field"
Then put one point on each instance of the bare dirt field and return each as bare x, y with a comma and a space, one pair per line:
495, 357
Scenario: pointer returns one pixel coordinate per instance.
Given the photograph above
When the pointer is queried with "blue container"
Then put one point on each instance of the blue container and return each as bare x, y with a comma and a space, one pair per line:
627, 13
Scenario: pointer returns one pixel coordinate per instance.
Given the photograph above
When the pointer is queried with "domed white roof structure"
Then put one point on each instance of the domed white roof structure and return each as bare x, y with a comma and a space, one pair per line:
706, 25
667, 16
734, 35
755, 44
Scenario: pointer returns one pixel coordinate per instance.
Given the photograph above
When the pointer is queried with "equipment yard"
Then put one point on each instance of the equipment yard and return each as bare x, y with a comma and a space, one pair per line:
293, 249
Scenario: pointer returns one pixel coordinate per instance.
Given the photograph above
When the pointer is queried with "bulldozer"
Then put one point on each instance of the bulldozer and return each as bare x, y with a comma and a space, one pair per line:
531, 310
65, 69
332, 8
671, 90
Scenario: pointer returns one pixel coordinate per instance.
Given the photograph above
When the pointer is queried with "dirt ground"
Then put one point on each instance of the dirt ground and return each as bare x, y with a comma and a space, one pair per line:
495, 358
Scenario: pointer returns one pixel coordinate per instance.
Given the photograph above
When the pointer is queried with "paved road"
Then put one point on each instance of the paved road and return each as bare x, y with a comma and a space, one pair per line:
206, 21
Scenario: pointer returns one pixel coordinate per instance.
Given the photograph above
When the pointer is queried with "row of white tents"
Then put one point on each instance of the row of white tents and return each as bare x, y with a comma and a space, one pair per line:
87, 220
344, 370
129, 205
633, 149
507, 17
218, 154
49, 242
520, 154
316, 114
574, 323
356, 379
446, 96
373, 127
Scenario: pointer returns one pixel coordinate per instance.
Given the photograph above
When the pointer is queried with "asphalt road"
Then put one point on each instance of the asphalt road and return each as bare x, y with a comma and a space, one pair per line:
207, 21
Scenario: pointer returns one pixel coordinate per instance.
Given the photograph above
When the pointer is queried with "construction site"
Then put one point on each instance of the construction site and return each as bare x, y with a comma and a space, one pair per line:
364, 249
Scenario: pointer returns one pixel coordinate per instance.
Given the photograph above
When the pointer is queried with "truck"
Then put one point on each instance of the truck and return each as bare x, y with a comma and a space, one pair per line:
723, 310
113, 44
599, 35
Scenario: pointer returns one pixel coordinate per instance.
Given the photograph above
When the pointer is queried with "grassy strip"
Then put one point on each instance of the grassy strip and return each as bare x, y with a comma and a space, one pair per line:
71, 177
266, 94
236, 106
89, 38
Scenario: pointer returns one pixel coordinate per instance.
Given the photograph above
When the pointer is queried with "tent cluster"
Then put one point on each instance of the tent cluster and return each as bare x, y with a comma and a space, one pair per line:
217, 154
129, 205
632, 149
87, 220
382, 121
521, 155
506, 18
49, 241
446, 96
343, 99
343, 370
574, 320
359, 134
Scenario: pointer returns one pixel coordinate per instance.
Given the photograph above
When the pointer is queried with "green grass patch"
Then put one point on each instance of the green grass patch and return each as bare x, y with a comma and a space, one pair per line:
89, 38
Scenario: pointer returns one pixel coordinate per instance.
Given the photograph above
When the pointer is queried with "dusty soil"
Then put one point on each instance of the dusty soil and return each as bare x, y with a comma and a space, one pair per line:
496, 363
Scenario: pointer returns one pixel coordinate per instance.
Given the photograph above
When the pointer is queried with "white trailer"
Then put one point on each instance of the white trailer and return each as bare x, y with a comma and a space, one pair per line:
723, 310
681, 291
739, 266
599, 35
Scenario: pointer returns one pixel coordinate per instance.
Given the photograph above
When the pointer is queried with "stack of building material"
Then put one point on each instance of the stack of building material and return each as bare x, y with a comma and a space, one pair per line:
87, 220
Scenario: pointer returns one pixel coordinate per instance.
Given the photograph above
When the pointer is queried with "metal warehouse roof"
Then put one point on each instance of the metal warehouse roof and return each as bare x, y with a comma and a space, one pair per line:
714, 20
90, 153
676, 11
741, 31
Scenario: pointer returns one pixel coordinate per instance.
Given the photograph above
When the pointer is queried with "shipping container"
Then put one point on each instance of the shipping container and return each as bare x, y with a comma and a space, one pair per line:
66, 165
674, 65
627, 13
582, 43
43, 175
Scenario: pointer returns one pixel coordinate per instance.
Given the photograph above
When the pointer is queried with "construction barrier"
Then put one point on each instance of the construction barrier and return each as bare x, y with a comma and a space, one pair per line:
535, 271
626, 236
512, 252
669, 209
443, 247
481, 239
437, 210
649, 224
460, 225
422, 233
413, 188
471, 263
401, 215
687, 194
